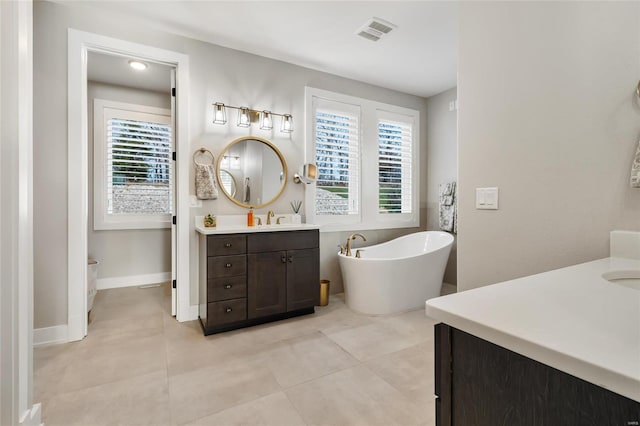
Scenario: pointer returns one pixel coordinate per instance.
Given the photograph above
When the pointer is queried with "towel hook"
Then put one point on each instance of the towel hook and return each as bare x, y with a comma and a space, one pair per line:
201, 151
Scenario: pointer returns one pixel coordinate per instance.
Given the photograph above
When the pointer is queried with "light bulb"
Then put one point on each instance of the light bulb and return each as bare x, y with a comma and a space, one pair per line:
243, 117
219, 113
266, 123
287, 124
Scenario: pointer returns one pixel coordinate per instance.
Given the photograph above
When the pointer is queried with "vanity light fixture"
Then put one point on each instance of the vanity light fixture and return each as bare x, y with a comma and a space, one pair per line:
266, 123
244, 119
219, 113
138, 65
287, 124
247, 116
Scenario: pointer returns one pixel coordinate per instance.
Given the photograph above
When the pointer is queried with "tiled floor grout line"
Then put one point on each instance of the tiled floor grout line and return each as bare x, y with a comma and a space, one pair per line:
326, 327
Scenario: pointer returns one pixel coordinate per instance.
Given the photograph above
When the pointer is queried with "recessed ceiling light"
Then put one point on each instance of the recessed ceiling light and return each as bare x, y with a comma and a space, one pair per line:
137, 65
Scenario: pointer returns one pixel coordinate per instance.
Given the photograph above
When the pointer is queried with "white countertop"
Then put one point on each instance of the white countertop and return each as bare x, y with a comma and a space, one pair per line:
243, 229
571, 319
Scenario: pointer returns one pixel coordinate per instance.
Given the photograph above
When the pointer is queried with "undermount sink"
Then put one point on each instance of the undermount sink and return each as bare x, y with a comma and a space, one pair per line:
627, 278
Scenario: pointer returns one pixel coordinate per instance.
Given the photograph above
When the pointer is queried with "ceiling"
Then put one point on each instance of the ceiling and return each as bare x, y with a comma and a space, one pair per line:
418, 57
112, 69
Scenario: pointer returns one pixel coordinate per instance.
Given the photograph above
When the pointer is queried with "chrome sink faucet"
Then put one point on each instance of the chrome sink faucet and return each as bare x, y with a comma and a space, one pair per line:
352, 237
270, 214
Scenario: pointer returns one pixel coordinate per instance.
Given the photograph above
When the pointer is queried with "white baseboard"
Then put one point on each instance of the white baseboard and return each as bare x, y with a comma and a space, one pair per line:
132, 280
32, 417
50, 335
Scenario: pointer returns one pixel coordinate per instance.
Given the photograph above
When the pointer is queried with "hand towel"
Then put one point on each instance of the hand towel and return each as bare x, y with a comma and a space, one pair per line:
206, 182
447, 207
247, 190
635, 169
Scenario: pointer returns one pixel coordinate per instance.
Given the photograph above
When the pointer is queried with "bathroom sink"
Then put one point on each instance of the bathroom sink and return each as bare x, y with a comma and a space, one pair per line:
628, 278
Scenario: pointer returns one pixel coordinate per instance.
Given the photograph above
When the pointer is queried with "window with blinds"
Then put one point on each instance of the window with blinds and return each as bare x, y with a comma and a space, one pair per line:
138, 167
394, 166
133, 166
367, 153
337, 156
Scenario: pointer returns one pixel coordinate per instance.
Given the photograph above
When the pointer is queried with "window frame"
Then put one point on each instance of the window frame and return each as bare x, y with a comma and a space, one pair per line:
369, 216
102, 220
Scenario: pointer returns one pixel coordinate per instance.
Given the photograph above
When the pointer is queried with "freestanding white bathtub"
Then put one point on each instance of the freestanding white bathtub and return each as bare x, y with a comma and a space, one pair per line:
396, 276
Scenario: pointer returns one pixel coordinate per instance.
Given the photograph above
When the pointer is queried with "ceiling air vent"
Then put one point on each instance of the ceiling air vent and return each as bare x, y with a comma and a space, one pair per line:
375, 29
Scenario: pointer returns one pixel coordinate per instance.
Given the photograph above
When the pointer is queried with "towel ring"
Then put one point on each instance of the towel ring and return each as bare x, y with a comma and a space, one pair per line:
202, 151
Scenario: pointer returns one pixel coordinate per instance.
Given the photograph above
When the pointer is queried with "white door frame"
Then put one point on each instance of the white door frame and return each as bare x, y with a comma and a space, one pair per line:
79, 43
16, 213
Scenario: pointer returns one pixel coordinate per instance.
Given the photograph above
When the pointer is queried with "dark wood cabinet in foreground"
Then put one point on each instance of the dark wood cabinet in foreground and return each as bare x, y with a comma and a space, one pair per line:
248, 279
479, 383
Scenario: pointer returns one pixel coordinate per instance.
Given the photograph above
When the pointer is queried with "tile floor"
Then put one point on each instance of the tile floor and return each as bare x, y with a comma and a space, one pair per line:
140, 366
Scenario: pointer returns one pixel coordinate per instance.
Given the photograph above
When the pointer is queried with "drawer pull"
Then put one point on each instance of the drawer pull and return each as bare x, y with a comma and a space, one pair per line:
227, 245
228, 286
228, 265
227, 310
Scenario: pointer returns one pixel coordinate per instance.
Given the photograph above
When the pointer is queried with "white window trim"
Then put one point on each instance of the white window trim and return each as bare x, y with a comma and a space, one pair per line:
101, 219
369, 217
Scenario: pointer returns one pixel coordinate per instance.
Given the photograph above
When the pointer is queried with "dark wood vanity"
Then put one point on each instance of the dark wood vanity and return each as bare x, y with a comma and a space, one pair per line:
480, 383
253, 278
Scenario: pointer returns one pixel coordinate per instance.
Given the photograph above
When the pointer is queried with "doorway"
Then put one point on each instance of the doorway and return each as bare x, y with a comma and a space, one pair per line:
82, 47
131, 191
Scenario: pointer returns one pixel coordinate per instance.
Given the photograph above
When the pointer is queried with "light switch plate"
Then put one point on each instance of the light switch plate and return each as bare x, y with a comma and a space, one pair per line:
194, 201
487, 198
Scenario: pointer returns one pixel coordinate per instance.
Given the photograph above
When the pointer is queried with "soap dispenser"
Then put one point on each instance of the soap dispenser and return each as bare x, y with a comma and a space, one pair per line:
250, 217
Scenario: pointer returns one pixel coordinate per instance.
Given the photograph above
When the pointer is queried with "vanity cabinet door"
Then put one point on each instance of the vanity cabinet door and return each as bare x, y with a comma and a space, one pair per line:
266, 284
303, 278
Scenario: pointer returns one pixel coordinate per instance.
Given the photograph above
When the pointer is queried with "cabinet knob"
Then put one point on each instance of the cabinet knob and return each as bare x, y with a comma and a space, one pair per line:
228, 265
227, 310
290, 259
283, 259
228, 286
227, 245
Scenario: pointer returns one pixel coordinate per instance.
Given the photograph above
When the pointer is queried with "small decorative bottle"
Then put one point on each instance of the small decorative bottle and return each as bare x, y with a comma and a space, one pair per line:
250, 217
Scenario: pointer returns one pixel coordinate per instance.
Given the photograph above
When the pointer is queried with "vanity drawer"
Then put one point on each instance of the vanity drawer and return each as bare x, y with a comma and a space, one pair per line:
226, 288
226, 311
282, 240
225, 245
226, 266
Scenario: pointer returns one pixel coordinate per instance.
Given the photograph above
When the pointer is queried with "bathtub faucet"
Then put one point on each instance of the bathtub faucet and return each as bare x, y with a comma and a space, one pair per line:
353, 237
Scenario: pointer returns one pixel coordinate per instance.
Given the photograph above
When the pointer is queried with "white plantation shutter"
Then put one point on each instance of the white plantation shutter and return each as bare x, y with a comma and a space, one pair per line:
133, 166
138, 167
367, 153
395, 158
337, 156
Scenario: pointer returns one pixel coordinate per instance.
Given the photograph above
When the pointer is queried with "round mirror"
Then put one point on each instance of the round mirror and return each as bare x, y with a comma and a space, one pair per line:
252, 172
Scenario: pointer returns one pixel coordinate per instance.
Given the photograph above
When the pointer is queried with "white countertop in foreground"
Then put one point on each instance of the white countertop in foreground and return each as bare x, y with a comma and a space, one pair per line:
243, 229
571, 319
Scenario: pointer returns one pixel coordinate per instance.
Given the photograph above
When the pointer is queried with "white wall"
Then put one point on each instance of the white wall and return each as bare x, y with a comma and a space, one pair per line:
548, 113
124, 253
442, 161
216, 74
